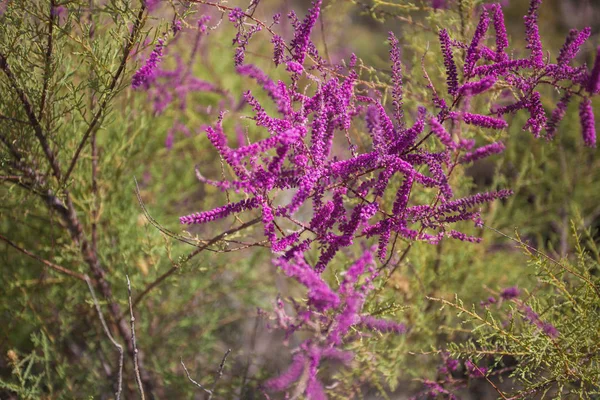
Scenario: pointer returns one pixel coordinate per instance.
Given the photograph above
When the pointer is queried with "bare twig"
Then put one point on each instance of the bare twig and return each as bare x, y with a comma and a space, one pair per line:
47, 263
199, 249
192, 380
219, 374
110, 337
490, 382
210, 391
135, 350
48, 62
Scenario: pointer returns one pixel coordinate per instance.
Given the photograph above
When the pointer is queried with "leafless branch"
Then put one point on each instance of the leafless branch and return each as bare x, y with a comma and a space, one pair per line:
210, 391
135, 350
110, 337
48, 61
47, 263
219, 374
192, 380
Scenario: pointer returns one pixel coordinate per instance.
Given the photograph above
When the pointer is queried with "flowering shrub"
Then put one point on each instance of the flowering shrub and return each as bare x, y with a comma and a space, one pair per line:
352, 172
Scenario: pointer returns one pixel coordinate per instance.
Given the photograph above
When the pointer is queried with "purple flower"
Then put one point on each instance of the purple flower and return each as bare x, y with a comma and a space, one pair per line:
588, 125
482, 152
501, 36
291, 375
473, 52
510, 293
219, 212
538, 119
477, 87
451, 74
294, 67
532, 32
320, 294
300, 43
533, 318
278, 49
381, 325
572, 45
481, 120
557, 115
236, 15
593, 83
145, 75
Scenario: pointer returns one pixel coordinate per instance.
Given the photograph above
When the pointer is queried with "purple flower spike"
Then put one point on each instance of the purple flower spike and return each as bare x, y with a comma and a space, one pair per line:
473, 51
557, 115
301, 41
483, 152
532, 31
146, 75
291, 375
219, 212
501, 36
593, 84
477, 87
451, 74
382, 325
588, 124
482, 120
572, 45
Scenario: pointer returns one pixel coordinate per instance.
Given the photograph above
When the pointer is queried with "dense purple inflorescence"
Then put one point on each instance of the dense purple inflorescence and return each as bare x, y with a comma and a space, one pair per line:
334, 195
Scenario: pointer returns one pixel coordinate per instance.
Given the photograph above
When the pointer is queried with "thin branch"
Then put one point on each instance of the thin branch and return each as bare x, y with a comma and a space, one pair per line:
490, 382
19, 121
190, 256
47, 263
193, 381
48, 63
95, 201
110, 337
136, 366
219, 374
137, 25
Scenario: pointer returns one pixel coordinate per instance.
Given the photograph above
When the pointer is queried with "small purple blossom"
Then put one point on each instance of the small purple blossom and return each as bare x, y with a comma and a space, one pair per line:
510, 293
145, 75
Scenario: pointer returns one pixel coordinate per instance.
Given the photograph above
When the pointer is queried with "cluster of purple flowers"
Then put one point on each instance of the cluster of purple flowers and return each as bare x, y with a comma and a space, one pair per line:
336, 195
330, 315
524, 75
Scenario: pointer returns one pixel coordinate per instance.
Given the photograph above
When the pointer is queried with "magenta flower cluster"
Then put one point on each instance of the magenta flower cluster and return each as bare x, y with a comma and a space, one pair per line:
314, 195
331, 315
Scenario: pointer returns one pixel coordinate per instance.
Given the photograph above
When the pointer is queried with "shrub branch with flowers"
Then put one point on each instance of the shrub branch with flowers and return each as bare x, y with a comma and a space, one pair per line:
348, 177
